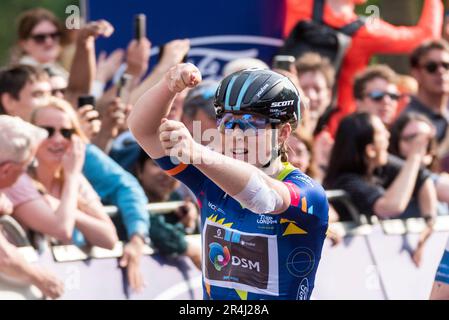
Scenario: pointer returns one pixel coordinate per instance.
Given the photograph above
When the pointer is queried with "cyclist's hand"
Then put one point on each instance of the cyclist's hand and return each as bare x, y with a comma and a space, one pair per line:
181, 76
6, 206
176, 140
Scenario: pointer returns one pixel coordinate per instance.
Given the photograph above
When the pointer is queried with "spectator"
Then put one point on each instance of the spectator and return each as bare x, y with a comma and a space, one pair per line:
22, 89
376, 92
198, 110
300, 154
168, 231
59, 197
408, 87
372, 38
316, 79
406, 128
40, 39
430, 67
114, 185
242, 63
376, 184
19, 141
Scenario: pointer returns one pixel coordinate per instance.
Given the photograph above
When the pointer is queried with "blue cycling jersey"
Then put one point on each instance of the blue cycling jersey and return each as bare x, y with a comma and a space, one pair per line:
443, 269
253, 256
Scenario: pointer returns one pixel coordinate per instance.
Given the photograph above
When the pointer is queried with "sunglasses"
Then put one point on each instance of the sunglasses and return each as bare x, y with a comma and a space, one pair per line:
380, 95
432, 66
66, 133
40, 38
247, 122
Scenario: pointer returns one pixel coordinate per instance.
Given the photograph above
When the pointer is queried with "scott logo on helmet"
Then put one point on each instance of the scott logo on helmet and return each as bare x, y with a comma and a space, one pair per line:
283, 103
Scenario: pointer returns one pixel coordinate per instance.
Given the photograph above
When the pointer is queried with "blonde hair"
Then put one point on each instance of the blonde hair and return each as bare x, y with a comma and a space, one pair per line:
64, 106
18, 138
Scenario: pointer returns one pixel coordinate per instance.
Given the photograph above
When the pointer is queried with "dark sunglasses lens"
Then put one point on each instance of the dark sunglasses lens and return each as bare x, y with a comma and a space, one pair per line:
67, 133
431, 67
377, 96
39, 38
394, 96
50, 130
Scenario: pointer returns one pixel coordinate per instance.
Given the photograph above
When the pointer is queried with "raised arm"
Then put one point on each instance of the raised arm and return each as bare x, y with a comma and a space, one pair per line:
397, 196
154, 105
239, 179
84, 60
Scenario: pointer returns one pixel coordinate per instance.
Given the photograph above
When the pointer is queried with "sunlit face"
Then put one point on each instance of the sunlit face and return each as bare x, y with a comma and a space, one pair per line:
433, 72
314, 86
381, 99
298, 154
34, 94
380, 143
43, 43
410, 132
156, 183
53, 149
254, 146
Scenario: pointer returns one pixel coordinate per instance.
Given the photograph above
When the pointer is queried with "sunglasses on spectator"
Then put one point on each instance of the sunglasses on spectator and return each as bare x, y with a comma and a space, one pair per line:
380, 95
432, 66
245, 122
66, 133
42, 37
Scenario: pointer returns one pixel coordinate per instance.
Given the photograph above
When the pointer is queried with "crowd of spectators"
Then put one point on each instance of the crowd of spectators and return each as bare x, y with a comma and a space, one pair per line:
381, 137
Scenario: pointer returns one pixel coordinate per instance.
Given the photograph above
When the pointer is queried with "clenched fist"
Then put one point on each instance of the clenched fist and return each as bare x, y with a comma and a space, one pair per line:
181, 76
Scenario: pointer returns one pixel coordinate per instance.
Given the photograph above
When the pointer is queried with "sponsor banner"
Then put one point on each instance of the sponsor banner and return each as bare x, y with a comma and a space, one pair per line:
239, 260
219, 31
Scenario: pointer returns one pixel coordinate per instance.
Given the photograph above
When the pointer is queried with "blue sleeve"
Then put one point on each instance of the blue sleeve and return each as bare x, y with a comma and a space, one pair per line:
193, 178
442, 274
308, 197
118, 187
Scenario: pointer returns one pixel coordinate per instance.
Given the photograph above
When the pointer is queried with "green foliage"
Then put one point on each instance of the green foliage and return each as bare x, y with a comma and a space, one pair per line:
11, 9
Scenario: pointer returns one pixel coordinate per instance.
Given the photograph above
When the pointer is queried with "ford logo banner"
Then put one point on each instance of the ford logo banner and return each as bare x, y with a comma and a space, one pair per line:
219, 31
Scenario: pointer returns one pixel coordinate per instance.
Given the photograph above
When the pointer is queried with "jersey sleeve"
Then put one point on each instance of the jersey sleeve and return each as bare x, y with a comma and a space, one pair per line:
193, 178
307, 197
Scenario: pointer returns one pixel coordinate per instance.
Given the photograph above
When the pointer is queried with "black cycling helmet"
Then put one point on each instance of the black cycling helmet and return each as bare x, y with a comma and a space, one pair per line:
260, 92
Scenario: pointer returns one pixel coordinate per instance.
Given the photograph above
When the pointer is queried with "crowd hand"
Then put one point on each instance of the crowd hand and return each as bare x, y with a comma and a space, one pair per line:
188, 214
48, 284
323, 147
89, 120
174, 52
420, 144
138, 57
114, 117
6, 206
425, 234
96, 29
333, 236
73, 159
107, 66
132, 254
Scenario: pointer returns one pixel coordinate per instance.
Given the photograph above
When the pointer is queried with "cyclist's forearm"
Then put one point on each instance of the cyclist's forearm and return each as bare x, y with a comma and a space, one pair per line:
233, 176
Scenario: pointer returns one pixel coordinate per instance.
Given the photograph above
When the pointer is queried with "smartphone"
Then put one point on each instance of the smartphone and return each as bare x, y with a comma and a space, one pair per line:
124, 87
140, 26
87, 99
283, 62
